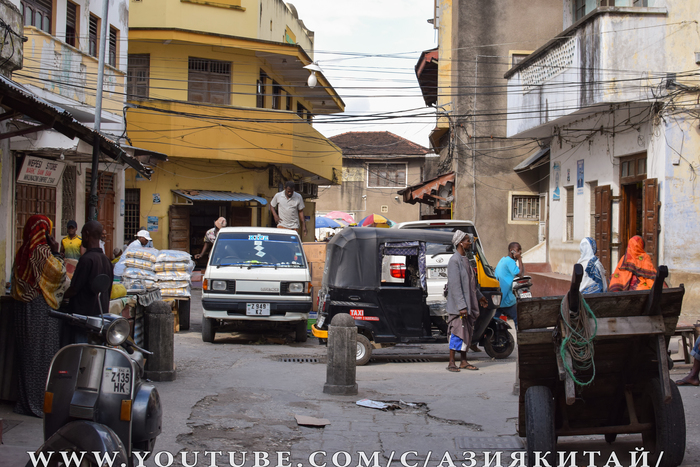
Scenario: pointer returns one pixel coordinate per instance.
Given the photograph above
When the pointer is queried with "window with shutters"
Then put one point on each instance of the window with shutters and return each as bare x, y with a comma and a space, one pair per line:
525, 208
113, 43
68, 198
72, 24
579, 9
382, 175
260, 90
289, 102
137, 76
93, 28
209, 81
37, 13
591, 208
569, 214
132, 212
276, 95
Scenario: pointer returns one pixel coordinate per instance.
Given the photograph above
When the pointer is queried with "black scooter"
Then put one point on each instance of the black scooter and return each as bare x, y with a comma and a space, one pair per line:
95, 403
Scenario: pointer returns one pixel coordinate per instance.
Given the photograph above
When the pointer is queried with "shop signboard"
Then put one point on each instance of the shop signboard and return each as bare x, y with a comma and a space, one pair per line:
38, 171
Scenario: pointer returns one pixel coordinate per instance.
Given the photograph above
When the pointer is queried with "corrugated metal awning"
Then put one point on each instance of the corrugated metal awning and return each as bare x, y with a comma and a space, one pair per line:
16, 98
531, 162
427, 192
208, 195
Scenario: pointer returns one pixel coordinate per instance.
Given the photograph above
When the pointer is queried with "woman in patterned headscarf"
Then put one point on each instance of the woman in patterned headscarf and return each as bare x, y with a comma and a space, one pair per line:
38, 283
635, 271
593, 270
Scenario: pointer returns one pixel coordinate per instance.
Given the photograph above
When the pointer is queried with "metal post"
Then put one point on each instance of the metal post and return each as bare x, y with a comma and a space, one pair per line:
93, 200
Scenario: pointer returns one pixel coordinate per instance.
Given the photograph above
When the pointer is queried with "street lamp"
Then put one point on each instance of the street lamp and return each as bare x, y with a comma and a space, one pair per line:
313, 68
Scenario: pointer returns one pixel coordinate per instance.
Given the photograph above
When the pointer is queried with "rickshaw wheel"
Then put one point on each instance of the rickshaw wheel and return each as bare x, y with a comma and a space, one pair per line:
668, 434
499, 345
364, 350
539, 424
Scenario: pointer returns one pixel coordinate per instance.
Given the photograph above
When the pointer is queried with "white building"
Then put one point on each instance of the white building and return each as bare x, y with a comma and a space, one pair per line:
58, 80
615, 96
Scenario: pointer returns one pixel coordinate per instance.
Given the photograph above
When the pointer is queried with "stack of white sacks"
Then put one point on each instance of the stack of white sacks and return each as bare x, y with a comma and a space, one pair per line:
137, 268
173, 272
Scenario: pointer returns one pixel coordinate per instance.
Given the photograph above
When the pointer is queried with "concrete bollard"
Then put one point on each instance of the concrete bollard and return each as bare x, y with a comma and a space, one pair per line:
159, 339
342, 349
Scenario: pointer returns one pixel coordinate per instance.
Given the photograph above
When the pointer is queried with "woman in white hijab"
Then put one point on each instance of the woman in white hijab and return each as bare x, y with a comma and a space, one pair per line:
593, 271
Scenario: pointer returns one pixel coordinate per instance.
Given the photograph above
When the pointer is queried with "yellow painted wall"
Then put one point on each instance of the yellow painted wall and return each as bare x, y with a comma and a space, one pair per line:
447, 40
48, 63
285, 140
186, 174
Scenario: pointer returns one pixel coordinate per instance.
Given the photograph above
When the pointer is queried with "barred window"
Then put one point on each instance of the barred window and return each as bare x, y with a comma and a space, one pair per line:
526, 208
260, 90
386, 175
132, 212
137, 76
209, 81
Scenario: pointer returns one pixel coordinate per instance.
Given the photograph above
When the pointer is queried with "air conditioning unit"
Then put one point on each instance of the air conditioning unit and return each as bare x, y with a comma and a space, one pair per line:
306, 190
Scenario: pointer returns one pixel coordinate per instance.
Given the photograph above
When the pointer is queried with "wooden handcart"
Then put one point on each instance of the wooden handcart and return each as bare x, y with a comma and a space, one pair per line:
631, 391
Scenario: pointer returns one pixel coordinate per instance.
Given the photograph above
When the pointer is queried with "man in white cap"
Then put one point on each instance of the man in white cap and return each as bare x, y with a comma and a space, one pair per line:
143, 239
463, 299
210, 236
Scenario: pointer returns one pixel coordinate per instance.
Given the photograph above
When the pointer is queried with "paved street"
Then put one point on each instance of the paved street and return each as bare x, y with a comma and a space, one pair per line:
239, 395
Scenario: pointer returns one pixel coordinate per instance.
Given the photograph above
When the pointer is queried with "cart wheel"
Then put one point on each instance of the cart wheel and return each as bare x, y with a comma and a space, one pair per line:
499, 345
610, 437
668, 434
208, 329
183, 312
300, 331
364, 350
539, 424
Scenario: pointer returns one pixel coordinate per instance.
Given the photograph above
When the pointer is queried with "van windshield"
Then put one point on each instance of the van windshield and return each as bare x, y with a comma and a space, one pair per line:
262, 250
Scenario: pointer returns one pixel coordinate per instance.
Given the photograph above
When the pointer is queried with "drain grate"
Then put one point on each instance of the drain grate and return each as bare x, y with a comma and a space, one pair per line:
483, 442
298, 360
403, 360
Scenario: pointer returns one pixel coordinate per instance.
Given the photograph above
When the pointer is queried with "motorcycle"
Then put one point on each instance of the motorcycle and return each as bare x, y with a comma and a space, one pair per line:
521, 287
96, 406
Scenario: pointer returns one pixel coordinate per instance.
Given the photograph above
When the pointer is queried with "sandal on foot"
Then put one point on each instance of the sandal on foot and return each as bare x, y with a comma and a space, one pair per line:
469, 366
453, 369
682, 382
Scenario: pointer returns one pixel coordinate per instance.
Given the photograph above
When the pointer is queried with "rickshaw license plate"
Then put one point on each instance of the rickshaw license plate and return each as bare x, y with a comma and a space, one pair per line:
437, 273
116, 380
257, 309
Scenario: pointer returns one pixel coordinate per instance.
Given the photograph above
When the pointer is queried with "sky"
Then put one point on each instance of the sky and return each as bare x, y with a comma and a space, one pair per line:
368, 49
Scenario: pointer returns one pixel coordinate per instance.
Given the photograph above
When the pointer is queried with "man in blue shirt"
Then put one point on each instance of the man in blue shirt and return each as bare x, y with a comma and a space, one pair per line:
506, 271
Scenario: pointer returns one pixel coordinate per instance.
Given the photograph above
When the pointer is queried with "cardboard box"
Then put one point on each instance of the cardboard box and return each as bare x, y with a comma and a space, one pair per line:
315, 252
316, 273
314, 297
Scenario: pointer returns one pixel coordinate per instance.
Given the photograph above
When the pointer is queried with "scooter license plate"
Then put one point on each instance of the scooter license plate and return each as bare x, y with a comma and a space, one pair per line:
116, 380
257, 309
526, 295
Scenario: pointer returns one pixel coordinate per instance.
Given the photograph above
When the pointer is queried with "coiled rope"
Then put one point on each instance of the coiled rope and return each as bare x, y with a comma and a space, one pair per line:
577, 339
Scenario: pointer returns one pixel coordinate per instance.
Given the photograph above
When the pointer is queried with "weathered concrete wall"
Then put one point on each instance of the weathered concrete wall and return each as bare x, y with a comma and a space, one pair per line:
488, 33
11, 48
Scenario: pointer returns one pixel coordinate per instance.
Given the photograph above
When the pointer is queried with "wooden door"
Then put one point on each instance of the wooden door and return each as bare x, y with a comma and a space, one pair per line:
651, 218
105, 206
603, 224
179, 228
241, 217
30, 200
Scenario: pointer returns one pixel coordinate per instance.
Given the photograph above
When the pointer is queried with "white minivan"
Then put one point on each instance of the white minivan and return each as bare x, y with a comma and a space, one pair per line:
256, 277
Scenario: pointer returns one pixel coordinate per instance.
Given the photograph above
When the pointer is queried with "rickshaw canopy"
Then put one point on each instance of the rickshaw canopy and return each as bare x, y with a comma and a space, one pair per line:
354, 255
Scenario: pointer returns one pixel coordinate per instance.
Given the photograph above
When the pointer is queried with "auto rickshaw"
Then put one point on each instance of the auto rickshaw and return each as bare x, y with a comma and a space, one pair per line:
387, 313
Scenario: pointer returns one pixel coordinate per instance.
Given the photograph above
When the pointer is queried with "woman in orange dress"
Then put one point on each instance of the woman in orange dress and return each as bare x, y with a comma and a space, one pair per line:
635, 271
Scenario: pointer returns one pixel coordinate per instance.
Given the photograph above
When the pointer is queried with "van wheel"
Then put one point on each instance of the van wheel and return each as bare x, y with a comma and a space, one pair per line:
300, 331
364, 350
208, 330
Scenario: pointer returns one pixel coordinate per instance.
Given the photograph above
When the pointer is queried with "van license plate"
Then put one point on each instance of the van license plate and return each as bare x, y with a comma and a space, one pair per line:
257, 309
437, 273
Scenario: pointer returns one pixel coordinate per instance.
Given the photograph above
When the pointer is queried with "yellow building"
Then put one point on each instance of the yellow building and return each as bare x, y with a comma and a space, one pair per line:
221, 89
